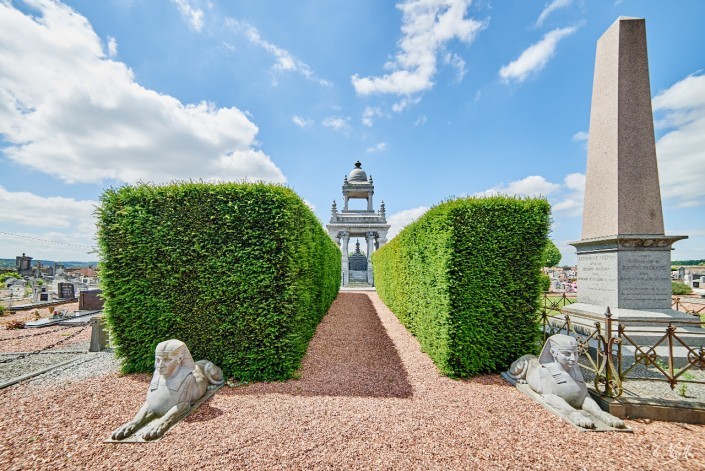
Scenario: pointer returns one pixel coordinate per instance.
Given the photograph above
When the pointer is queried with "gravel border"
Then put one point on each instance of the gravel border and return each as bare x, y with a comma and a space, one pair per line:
481, 423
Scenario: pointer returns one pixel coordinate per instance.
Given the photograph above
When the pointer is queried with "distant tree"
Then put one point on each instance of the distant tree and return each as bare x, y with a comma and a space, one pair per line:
688, 262
551, 254
11, 274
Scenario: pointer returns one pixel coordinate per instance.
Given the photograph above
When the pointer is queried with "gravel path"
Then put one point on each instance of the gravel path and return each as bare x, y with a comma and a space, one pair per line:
367, 398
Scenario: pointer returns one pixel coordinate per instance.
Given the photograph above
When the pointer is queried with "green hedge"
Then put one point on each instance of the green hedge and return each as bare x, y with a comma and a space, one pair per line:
465, 280
678, 288
242, 273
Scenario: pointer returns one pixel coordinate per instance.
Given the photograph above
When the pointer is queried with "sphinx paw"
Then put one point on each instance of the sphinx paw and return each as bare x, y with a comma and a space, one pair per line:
124, 431
581, 421
613, 421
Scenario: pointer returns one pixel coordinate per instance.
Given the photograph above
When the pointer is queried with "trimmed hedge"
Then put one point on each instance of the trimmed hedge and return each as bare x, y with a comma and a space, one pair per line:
242, 273
465, 280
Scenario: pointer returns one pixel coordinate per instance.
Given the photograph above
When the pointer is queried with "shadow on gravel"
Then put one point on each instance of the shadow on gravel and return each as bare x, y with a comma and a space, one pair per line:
349, 355
204, 413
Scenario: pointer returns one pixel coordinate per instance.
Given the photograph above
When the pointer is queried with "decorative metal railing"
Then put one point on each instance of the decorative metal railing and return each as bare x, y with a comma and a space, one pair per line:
613, 351
693, 306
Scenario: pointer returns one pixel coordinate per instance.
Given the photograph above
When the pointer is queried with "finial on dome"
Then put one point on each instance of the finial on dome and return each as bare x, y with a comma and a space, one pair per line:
358, 164
345, 179
334, 207
382, 209
370, 178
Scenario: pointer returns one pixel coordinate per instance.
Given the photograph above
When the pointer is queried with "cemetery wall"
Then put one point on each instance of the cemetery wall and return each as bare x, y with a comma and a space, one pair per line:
242, 273
465, 280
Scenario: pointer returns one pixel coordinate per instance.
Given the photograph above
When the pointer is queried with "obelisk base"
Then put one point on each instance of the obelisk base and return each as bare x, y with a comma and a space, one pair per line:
630, 274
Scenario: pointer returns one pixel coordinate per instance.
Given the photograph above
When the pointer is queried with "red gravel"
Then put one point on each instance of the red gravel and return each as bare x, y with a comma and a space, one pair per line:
416, 419
25, 340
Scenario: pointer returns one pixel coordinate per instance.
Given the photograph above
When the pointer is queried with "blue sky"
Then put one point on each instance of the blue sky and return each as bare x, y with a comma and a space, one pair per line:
437, 98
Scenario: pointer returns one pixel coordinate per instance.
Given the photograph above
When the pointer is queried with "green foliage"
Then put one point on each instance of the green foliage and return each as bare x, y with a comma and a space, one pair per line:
700, 262
545, 282
465, 280
679, 288
2, 310
10, 274
551, 254
242, 273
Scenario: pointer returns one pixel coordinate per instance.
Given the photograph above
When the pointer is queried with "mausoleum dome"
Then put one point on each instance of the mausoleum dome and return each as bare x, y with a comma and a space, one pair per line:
357, 175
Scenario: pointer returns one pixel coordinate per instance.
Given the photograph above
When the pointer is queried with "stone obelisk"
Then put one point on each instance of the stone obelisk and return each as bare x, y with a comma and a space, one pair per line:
624, 256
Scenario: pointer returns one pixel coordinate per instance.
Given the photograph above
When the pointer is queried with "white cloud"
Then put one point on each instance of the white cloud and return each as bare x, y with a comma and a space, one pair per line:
427, 25
681, 150
336, 122
69, 111
369, 114
285, 61
399, 220
550, 8
112, 47
380, 147
566, 198
580, 136
421, 120
69, 226
55, 212
404, 103
458, 63
193, 15
301, 121
535, 57
530, 186
573, 197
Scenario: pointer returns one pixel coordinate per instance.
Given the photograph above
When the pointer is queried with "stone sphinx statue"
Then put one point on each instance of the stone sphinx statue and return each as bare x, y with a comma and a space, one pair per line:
178, 382
556, 377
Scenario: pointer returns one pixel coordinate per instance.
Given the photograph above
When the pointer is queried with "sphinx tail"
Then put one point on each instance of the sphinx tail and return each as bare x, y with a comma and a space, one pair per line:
212, 372
520, 367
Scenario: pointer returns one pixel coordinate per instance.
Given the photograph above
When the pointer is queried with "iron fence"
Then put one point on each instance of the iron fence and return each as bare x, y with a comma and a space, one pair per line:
617, 351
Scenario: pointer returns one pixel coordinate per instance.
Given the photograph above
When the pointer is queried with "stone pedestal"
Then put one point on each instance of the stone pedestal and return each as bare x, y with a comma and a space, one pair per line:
630, 274
99, 335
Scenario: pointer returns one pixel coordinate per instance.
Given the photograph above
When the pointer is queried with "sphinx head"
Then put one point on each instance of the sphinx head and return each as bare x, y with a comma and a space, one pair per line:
564, 350
169, 357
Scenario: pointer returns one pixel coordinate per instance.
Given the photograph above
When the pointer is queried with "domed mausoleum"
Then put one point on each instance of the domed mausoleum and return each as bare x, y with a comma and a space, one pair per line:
358, 223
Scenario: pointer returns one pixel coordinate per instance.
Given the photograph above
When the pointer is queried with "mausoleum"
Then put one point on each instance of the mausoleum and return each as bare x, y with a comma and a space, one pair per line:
358, 223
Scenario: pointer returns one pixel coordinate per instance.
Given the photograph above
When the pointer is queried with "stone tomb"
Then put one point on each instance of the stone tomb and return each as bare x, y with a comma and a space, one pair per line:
362, 223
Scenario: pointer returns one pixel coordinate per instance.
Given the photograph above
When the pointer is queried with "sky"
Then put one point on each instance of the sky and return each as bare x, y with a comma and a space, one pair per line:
436, 98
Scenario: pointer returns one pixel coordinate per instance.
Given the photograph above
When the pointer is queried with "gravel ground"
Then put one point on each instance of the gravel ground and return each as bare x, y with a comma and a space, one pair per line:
29, 314
367, 398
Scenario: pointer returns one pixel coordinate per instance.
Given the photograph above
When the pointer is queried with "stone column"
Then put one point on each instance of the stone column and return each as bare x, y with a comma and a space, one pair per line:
370, 238
345, 239
381, 238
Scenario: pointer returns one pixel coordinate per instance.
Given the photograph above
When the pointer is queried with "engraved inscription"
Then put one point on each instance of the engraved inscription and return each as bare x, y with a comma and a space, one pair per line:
597, 279
644, 280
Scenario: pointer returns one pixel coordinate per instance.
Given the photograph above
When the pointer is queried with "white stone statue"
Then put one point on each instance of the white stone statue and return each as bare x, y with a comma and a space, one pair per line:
177, 384
556, 376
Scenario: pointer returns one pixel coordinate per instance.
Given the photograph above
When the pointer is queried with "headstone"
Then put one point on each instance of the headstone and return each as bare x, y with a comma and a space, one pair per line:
90, 299
624, 256
66, 290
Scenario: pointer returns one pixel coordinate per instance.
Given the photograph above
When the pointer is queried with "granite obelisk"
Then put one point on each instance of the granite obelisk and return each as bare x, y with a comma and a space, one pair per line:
624, 256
